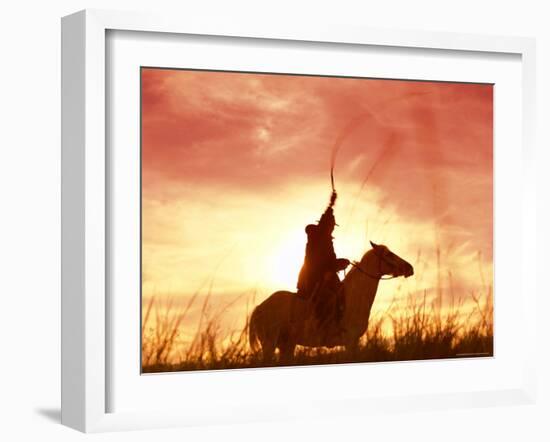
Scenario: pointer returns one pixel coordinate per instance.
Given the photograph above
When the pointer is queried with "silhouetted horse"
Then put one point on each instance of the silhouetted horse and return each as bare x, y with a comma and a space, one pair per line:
285, 320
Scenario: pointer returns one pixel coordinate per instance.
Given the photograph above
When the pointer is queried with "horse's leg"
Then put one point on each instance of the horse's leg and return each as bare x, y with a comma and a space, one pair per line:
286, 345
268, 351
270, 341
352, 348
287, 352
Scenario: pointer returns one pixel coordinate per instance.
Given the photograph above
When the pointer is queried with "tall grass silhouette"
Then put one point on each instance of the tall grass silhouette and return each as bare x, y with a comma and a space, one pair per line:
414, 328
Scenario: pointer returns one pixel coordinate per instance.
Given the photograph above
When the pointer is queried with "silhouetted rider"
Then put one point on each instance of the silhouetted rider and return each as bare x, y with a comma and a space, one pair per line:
318, 276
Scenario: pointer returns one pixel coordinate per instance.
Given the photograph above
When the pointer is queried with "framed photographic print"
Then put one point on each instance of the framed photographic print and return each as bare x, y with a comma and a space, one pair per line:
243, 263
275, 222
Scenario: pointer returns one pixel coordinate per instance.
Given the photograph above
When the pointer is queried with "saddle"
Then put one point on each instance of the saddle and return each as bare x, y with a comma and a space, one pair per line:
326, 310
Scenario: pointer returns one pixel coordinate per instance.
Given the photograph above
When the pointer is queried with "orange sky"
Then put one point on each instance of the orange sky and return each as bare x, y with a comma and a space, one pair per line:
235, 165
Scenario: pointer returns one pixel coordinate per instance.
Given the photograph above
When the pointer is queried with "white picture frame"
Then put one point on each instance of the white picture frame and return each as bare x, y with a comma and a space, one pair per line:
86, 202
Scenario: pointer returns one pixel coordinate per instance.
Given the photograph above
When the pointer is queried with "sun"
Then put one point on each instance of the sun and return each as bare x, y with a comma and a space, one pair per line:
285, 262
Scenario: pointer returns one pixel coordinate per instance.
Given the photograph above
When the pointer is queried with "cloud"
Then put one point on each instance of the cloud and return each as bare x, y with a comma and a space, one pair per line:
245, 158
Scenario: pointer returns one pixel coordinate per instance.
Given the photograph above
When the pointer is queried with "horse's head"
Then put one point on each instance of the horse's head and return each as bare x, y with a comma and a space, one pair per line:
388, 262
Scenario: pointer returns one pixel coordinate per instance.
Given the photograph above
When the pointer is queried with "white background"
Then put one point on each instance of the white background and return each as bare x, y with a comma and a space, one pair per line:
30, 218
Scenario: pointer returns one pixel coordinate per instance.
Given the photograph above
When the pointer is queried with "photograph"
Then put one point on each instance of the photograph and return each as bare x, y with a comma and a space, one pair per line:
301, 220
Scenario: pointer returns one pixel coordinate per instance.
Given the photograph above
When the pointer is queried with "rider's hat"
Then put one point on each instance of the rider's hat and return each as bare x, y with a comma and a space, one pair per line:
311, 228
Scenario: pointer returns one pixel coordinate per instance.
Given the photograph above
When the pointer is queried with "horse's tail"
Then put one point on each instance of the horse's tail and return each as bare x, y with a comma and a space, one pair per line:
253, 339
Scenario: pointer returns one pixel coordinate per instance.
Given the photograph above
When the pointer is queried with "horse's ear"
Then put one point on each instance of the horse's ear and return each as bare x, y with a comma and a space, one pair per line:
373, 245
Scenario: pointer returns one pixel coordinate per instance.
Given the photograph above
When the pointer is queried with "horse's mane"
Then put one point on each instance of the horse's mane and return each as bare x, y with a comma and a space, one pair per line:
354, 269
